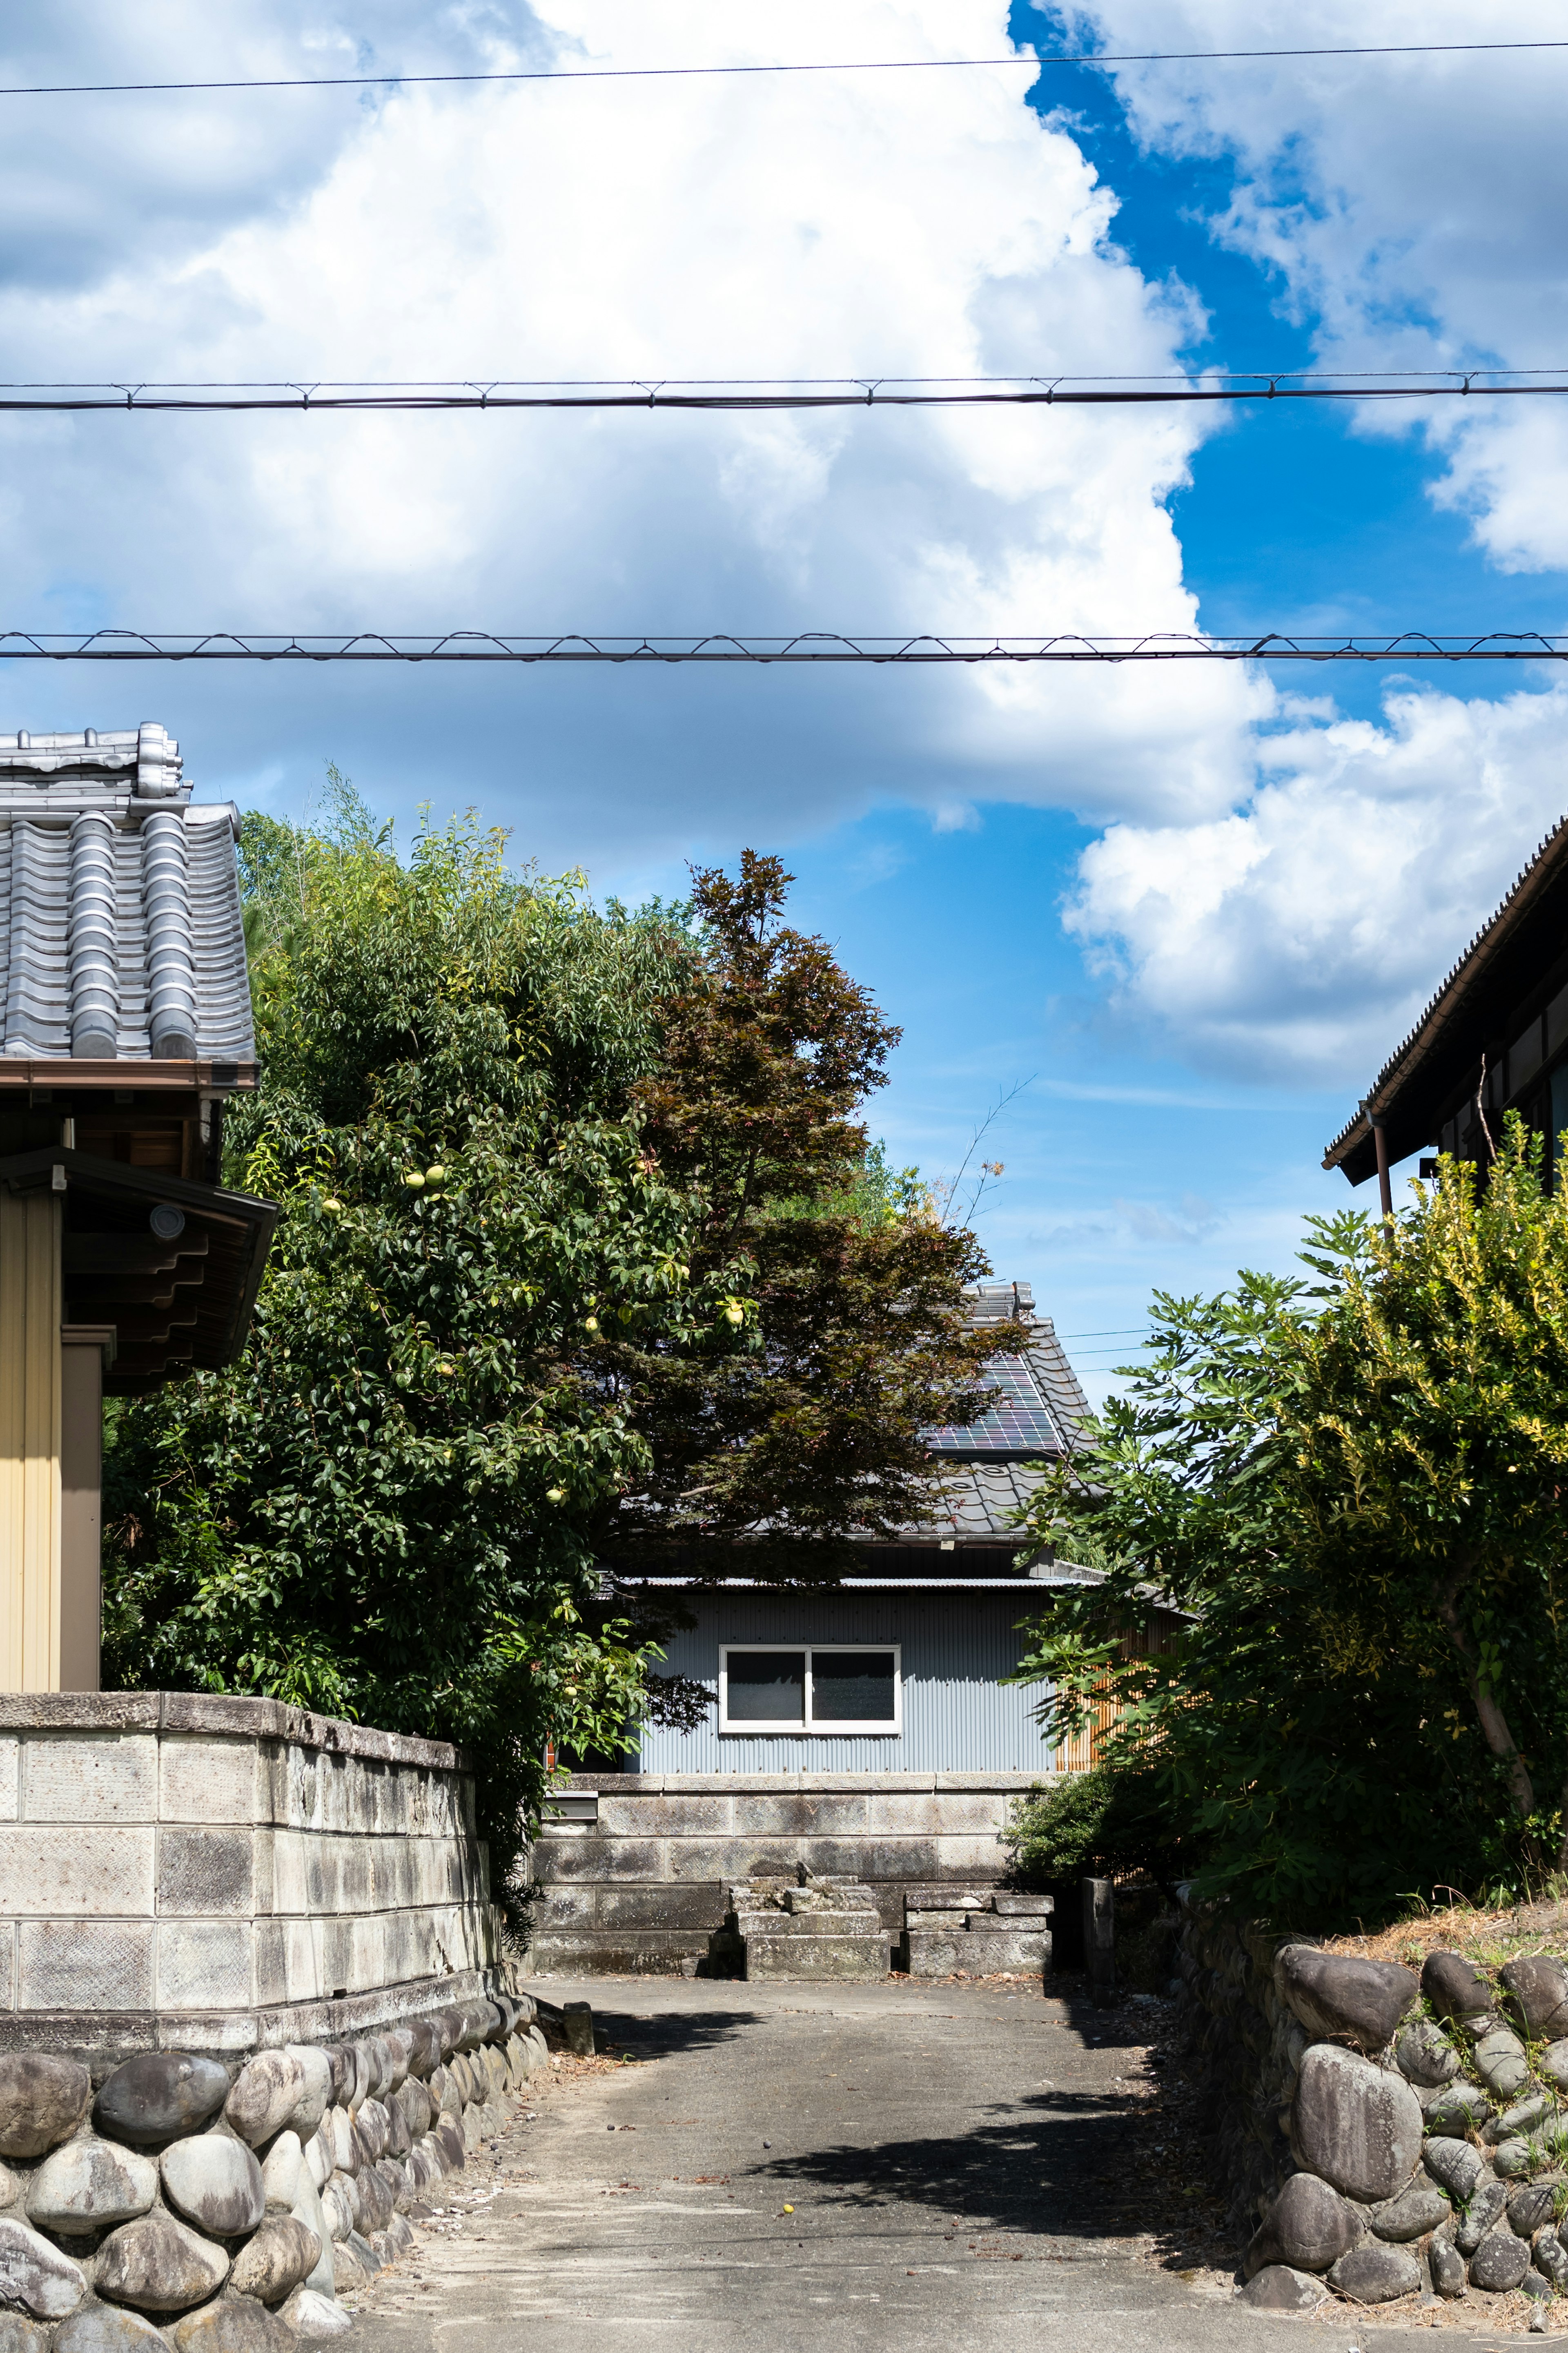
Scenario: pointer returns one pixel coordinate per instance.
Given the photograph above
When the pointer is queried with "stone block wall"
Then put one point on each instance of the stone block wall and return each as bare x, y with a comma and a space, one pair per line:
644, 1886
180, 2202
1386, 2134
215, 1874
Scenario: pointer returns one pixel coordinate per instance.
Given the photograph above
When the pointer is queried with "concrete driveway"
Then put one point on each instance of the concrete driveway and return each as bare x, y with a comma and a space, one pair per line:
869, 2167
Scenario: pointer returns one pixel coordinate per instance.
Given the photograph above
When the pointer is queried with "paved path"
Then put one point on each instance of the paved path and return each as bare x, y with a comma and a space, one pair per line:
873, 2167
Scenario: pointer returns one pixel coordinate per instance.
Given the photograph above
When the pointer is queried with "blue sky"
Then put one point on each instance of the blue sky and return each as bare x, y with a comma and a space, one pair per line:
1183, 915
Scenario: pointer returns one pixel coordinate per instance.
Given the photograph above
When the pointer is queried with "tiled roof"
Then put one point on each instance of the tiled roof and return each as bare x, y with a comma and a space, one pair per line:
1039, 1406
978, 1503
1514, 948
121, 935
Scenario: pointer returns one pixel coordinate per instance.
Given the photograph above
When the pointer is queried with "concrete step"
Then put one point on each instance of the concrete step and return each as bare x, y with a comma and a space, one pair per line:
812, 1959
931, 1953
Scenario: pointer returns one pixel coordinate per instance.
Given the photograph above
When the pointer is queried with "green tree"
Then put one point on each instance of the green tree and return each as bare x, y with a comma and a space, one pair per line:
1354, 1486
390, 1507
538, 1275
845, 1279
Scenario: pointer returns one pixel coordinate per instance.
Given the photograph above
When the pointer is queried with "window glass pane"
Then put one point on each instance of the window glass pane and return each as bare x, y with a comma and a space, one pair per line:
767, 1686
852, 1687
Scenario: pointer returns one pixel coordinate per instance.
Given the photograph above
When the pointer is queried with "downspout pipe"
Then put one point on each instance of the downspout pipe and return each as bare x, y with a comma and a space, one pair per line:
1384, 1184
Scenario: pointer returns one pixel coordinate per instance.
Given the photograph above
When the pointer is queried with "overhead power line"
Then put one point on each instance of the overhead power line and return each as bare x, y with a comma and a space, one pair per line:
1090, 58
790, 391
475, 646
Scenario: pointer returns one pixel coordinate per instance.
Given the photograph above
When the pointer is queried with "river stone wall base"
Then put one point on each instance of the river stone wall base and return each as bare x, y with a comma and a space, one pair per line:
187, 2204
178, 1871
642, 1886
1383, 2134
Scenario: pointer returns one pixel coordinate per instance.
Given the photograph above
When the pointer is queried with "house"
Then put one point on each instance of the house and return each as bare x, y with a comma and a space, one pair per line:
124, 1027
861, 1729
1494, 1039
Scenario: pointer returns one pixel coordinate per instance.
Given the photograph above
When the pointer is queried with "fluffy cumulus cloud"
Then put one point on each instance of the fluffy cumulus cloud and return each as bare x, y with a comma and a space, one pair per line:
1410, 208
1292, 938
913, 224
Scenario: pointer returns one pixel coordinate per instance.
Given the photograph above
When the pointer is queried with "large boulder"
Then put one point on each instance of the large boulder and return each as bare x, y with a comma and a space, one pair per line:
1419, 2208
1356, 2124
159, 2093
235, 2323
1485, 2208
36, 2275
317, 2096
1280, 2289
1502, 2064
1308, 2228
89, 2184
1455, 1987
1456, 2109
1499, 2262
1454, 2165
314, 2314
159, 2265
280, 2171
1554, 2063
214, 2181
41, 2101
266, 2091
1532, 2118
1426, 2055
19, 2334
1336, 1994
1533, 2207
1539, 1989
1552, 2260
1376, 2274
1447, 2265
275, 2259
96, 2327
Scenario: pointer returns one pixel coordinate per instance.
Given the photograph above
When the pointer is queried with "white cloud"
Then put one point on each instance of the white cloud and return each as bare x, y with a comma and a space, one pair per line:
912, 224
1411, 208
1292, 939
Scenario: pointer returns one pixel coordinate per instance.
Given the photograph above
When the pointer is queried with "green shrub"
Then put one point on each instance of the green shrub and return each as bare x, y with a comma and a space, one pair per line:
1104, 1824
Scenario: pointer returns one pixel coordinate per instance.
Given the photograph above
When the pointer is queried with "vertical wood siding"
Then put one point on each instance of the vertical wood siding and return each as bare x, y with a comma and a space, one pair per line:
1083, 1751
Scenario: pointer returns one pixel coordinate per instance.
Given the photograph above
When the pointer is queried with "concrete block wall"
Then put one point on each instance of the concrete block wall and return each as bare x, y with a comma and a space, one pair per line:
643, 1887
220, 1873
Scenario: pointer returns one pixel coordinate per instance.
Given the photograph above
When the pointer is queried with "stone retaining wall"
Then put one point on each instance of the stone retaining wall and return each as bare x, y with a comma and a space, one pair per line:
179, 2202
1385, 2134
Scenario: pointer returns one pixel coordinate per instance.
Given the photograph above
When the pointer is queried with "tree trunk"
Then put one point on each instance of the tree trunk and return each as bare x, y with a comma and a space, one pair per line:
1493, 1723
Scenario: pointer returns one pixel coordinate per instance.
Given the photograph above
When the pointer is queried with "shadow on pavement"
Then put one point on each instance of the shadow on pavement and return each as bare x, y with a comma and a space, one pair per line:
1063, 2168
671, 2030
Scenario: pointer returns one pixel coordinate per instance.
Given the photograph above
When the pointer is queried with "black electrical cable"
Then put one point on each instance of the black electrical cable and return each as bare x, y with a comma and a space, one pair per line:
789, 393
1090, 58
816, 645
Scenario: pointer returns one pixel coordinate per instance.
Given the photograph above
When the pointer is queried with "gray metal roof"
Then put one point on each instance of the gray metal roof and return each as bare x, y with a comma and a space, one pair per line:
120, 936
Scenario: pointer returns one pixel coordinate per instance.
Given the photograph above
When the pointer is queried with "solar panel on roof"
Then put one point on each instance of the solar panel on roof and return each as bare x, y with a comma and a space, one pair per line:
1018, 1422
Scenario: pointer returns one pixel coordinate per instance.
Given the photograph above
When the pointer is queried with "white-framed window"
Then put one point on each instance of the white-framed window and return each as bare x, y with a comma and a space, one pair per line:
816, 1687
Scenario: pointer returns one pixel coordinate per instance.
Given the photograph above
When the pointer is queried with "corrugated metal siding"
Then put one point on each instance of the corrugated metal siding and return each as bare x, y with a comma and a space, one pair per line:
958, 1716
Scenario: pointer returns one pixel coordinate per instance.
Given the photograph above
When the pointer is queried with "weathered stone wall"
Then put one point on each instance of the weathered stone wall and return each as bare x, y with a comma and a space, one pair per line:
179, 2202
644, 1886
212, 1874
1386, 2134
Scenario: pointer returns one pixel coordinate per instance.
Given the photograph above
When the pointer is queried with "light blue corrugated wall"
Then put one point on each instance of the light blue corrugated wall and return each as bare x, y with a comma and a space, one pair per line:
958, 1716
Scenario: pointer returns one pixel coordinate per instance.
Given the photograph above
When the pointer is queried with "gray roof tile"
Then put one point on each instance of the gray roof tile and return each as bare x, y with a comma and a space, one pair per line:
119, 919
